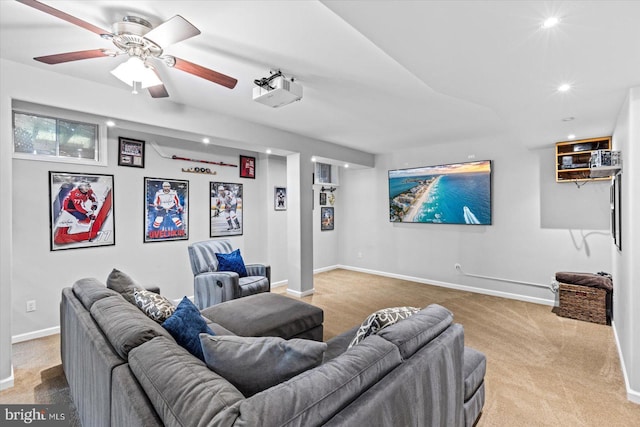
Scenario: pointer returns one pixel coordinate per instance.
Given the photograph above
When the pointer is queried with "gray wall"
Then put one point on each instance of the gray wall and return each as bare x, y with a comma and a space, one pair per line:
626, 269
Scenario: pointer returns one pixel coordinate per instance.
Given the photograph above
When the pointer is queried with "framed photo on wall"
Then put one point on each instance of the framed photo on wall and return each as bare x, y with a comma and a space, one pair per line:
81, 210
323, 198
247, 167
226, 209
166, 211
326, 219
130, 152
280, 198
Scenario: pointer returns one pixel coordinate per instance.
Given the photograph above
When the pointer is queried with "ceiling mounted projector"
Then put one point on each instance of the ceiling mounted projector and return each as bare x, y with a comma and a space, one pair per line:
276, 90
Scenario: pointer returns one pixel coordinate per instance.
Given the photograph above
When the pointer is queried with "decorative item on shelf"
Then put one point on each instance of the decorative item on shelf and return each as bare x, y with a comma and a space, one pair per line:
200, 170
330, 189
174, 157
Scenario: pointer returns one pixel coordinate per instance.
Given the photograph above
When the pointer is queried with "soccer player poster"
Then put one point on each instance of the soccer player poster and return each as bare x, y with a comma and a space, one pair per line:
81, 210
166, 210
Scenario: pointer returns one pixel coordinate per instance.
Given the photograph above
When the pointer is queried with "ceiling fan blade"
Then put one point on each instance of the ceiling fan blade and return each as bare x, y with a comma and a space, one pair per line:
205, 73
172, 31
65, 16
158, 91
73, 56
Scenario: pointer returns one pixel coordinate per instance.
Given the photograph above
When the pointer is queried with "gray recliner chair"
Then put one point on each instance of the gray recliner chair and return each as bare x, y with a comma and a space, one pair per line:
212, 286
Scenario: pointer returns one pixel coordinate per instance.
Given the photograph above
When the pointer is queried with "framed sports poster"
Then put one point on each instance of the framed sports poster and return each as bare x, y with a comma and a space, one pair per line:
323, 199
166, 211
226, 209
326, 219
280, 198
247, 167
81, 210
131, 152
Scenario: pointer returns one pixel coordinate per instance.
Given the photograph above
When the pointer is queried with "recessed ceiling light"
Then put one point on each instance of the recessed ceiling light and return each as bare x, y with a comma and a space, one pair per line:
346, 165
313, 159
550, 22
205, 140
111, 123
572, 136
268, 150
564, 87
568, 119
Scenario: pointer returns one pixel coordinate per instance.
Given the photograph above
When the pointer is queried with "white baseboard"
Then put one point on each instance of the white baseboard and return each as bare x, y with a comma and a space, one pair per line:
35, 334
456, 286
300, 294
6, 383
632, 395
279, 284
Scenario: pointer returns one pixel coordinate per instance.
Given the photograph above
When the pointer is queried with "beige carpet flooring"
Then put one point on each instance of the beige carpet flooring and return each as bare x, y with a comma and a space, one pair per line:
542, 370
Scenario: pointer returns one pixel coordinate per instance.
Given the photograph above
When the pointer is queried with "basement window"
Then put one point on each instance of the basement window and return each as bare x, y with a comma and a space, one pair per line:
55, 139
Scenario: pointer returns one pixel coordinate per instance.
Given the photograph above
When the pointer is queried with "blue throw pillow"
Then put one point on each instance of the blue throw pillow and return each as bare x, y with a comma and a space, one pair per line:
185, 326
232, 262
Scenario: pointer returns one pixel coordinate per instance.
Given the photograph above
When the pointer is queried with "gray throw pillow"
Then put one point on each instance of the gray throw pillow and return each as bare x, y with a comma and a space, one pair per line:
253, 364
380, 320
155, 306
123, 284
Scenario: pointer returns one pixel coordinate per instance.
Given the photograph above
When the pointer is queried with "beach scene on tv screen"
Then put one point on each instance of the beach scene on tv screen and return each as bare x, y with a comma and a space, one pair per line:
458, 193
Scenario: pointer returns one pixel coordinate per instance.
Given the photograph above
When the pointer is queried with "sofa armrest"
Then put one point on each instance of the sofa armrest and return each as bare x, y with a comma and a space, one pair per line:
215, 287
259, 270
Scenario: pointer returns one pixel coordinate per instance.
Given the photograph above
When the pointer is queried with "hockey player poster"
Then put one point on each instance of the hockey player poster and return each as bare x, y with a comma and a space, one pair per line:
166, 212
226, 209
81, 210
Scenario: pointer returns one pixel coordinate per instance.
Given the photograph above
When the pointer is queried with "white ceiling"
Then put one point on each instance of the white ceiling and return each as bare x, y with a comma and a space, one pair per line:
377, 75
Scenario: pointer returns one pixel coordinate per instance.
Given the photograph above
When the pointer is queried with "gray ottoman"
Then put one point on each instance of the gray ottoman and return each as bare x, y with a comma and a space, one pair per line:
268, 315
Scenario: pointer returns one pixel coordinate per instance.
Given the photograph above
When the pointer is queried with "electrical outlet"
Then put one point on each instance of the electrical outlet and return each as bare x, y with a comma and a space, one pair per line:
31, 305
458, 267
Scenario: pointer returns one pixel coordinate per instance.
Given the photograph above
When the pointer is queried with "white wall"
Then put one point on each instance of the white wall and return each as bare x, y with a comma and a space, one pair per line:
626, 270
528, 241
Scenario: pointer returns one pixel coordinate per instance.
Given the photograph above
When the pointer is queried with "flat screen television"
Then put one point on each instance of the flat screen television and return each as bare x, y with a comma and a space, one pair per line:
456, 193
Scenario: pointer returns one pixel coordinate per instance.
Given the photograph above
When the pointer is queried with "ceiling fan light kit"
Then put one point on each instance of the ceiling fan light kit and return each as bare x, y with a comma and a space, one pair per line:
137, 38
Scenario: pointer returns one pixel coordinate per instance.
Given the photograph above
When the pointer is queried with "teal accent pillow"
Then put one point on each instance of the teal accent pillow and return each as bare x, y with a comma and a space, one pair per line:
232, 262
185, 326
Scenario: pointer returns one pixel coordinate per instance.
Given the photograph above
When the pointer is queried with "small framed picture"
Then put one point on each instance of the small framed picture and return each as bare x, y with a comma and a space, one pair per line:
247, 167
166, 212
326, 219
81, 210
323, 199
280, 198
130, 152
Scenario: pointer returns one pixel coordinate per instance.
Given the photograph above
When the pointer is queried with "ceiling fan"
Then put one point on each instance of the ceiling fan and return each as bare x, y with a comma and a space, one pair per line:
137, 38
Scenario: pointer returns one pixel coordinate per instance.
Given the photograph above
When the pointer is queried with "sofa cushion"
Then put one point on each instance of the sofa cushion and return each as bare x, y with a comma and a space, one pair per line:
123, 284
124, 325
473, 370
185, 325
316, 395
253, 364
182, 390
416, 331
91, 290
155, 306
232, 262
380, 320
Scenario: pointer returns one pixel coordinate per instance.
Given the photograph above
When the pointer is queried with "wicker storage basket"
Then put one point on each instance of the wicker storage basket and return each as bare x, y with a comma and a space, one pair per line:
583, 303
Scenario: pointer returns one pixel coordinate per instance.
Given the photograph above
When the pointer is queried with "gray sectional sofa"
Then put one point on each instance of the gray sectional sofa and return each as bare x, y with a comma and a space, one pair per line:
124, 369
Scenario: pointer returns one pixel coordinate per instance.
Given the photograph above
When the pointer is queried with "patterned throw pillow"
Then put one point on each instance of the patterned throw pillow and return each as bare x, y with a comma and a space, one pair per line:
232, 262
153, 305
381, 319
